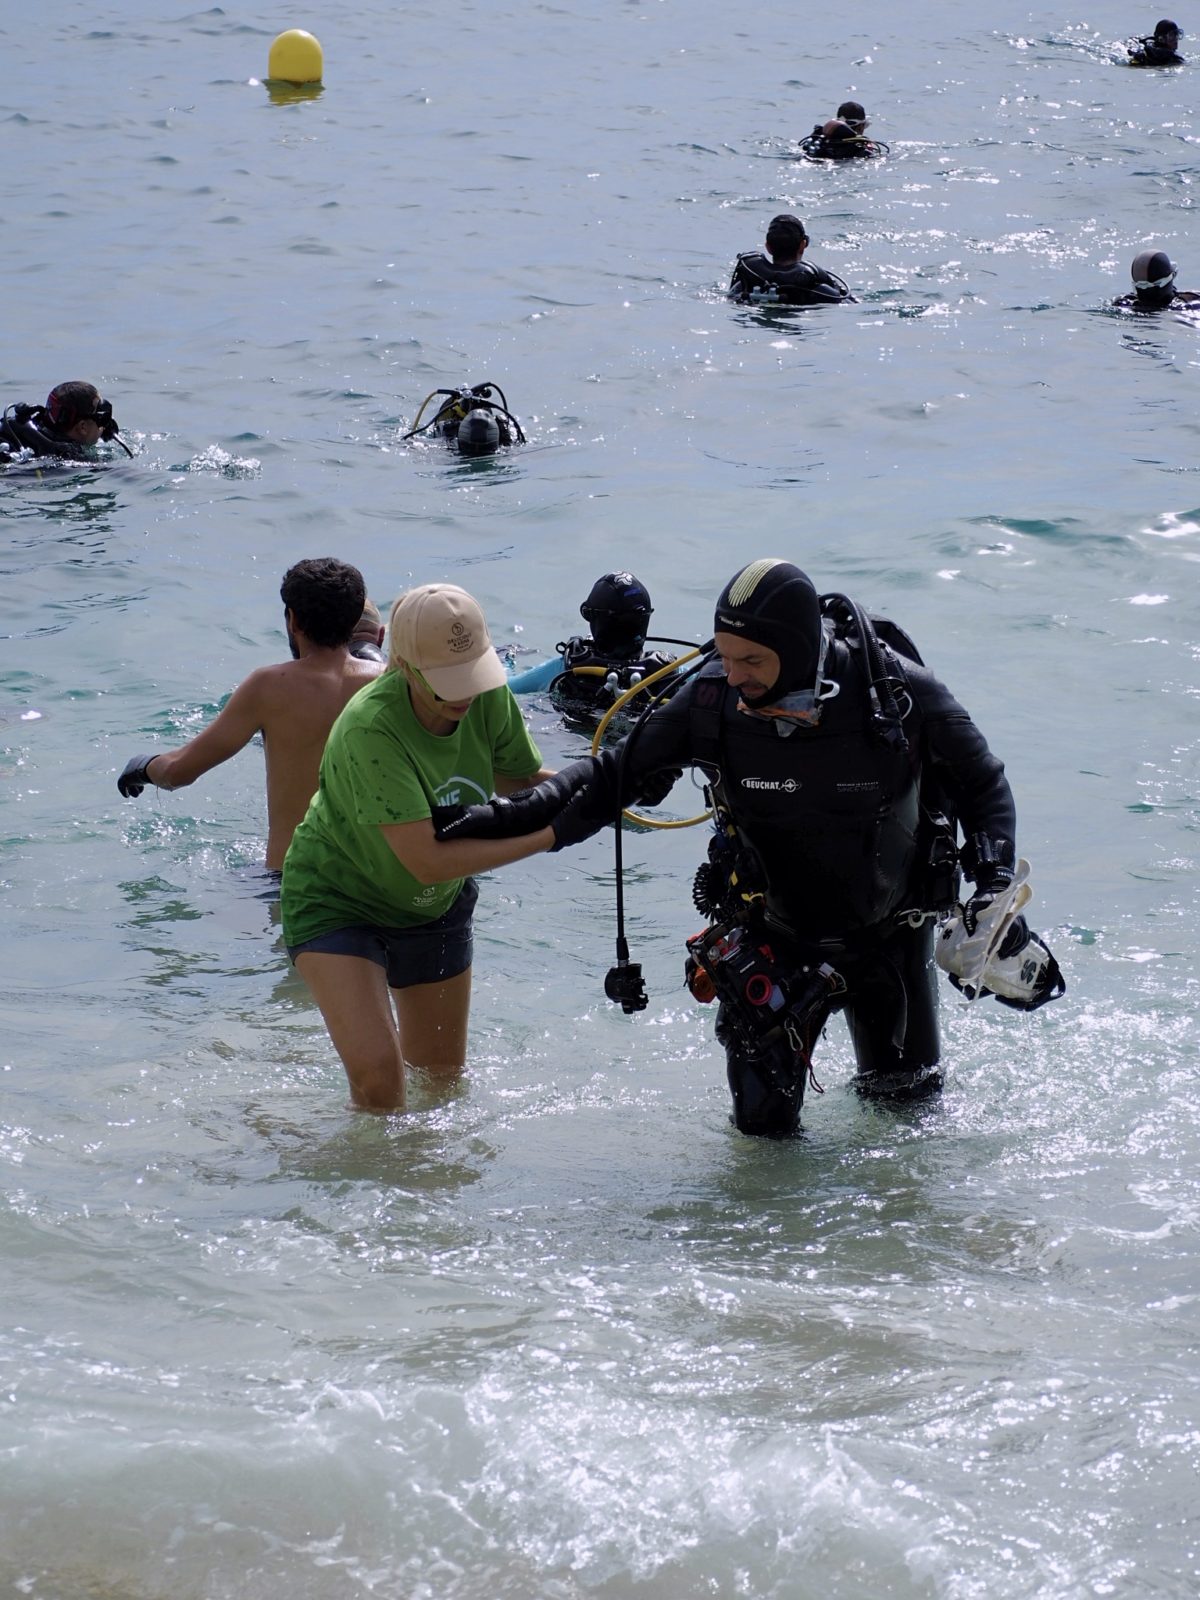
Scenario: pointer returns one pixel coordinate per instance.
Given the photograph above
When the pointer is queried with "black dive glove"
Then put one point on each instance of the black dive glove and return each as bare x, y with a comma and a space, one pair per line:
523, 812
587, 812
135, 778
656, 786
990, 862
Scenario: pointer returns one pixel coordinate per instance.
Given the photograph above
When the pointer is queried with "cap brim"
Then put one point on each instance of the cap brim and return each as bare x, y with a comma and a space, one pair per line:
471, 678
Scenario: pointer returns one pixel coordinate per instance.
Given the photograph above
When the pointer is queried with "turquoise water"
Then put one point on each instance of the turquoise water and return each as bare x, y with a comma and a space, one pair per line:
566, 1335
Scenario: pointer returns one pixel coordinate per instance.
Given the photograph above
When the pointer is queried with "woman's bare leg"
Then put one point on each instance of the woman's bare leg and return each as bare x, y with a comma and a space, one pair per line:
433, 1025
353, 995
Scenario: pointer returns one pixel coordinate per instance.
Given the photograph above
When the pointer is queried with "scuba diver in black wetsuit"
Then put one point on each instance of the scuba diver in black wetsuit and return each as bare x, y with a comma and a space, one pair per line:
843, 138
476, 421
71, 423
1160, 49
1153, 274
780, 277
839, 770
594, 670
598, 668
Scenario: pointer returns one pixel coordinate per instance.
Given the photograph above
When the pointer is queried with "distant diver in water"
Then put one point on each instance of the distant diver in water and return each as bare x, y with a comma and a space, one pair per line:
69, 426
475, 420
1153, 274
594, 670
1160, 49
780, 277
843, 137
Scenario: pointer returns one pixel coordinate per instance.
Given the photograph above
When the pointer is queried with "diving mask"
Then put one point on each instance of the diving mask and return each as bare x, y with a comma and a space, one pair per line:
802, 705
1156, 283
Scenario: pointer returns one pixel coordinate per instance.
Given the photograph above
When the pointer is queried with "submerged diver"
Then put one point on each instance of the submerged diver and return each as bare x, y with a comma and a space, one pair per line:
784, 279
1160, 49
476, 420
70, 425
843, 137
1153, 274
592, 671
840, 770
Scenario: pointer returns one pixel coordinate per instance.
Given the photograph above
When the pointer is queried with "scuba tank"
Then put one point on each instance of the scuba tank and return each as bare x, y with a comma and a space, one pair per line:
590, 680
477, 423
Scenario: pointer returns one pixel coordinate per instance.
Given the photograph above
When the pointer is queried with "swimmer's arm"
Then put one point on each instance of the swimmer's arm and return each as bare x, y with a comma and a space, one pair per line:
434, 860
230, 730
506, 786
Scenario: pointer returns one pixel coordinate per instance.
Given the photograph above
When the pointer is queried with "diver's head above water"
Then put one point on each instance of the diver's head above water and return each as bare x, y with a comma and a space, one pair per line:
77, 413
768, 631
1153, 276
786, 239
853, 114
618, 611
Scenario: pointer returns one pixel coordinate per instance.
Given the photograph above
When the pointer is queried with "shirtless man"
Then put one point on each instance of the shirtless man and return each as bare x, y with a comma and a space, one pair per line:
292, 704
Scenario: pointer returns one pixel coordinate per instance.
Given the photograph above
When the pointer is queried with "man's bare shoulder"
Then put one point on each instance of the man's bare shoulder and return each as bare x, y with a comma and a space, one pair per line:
279, 683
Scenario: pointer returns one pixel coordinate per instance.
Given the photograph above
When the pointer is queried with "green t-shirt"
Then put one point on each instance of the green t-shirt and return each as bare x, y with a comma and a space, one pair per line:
382, 765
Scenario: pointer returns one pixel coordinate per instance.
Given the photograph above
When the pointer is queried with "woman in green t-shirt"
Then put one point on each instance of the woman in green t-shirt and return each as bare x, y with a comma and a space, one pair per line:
376, 909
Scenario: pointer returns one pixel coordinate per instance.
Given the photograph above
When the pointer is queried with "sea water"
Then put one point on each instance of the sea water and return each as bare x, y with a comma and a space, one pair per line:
565, 1334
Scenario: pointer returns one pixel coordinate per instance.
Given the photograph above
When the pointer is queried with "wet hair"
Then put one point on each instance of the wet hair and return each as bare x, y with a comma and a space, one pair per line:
1166, 26
785, 234
851, 111
72, 402
325, 598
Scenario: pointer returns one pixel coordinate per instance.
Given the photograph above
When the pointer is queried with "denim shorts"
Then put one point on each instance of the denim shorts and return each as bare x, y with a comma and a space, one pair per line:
428, 952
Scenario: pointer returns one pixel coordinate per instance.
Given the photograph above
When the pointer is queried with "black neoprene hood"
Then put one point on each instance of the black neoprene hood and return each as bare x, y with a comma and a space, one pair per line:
773, 603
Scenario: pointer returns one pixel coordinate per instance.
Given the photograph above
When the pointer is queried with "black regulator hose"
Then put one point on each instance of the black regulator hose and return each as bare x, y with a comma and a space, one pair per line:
623, 983
885, 709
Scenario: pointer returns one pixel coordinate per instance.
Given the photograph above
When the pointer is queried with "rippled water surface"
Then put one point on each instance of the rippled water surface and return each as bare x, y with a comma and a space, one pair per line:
566, 1335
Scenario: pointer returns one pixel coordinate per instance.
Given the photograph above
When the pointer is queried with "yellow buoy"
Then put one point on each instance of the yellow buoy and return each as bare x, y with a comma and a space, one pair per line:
296, 57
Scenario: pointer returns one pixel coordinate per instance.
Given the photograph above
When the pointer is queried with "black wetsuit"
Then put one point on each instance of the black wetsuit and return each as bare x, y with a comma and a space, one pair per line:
838, 821
1145, 53
26, 427
1179, 297
755, 277
820, 146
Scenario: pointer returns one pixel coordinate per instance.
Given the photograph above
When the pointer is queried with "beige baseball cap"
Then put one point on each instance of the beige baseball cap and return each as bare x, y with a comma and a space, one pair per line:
439, 629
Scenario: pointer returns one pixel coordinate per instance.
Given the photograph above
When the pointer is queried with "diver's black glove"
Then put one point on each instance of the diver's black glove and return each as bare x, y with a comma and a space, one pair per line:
990, 863
982, 898
1017, 936
523, 812
656, 786
134, 778
586, 813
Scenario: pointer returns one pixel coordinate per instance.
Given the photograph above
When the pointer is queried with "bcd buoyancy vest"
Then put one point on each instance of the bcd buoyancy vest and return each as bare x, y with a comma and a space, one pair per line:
756, 277
832, 813
818, 146
1145, 53
26, 427
591, 680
